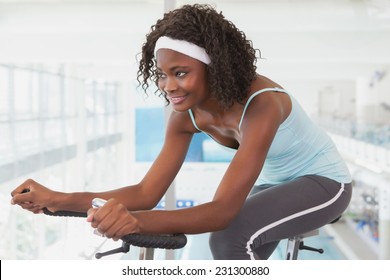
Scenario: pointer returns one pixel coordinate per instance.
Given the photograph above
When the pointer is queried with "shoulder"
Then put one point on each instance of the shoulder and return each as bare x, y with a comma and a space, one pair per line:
180, 122
264, 104
266, 112
268, 98
264, 92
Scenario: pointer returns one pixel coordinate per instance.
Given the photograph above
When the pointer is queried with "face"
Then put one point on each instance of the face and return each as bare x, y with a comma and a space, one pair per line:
182, 78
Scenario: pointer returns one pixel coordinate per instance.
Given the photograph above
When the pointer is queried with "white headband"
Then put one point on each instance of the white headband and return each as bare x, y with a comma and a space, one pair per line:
183, 47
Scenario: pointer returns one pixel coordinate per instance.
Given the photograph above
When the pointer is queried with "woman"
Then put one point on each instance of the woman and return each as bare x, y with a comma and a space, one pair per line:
206, 69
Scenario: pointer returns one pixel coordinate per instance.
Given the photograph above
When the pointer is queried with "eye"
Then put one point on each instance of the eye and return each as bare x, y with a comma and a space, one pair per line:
161, 75
180, 74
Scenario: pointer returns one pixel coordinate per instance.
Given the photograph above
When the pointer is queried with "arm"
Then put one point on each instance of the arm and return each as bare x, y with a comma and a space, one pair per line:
144, 195
257, 132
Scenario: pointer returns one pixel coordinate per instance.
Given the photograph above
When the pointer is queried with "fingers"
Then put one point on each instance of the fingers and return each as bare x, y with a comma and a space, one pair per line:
24, 187
36, 209
90, 214
22, 193
103, 217
116, 229
96, 216
21, 198
121, 230
112, 220
25, 196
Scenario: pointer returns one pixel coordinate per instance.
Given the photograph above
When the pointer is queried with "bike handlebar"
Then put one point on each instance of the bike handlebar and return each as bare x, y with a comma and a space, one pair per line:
62, 213
161, 241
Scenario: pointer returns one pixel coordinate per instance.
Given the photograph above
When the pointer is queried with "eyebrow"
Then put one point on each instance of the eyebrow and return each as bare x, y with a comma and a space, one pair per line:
175, 68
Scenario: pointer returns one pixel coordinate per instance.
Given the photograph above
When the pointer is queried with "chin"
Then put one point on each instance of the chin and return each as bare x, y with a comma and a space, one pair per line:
180, 108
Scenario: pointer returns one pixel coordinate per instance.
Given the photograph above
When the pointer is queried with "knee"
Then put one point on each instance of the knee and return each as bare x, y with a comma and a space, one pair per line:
218, 246
227, 246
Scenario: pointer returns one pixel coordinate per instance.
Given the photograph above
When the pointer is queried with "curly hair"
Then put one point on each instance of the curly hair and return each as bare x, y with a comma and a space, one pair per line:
233, 58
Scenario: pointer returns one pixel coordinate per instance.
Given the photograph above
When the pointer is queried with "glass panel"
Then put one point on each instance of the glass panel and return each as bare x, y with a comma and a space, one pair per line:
89, 98
35, 93
90, 128
42, 142
26, 137
54, 96
22, 93
6, 148
53, 133
112, 98
100, 122
100, 98
70, 128
112, 124
71, 89
4, 94
149, 134
150, 130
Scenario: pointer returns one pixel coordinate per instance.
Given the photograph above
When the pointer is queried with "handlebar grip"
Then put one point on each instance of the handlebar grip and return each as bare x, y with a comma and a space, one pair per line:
161, 241
64, 213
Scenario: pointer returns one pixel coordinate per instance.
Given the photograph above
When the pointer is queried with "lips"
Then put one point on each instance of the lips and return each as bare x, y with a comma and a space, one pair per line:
177, 99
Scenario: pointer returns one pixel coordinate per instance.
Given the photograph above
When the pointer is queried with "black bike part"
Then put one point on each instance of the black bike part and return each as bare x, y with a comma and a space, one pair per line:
308, 248
124, 249
162, 241
64, 213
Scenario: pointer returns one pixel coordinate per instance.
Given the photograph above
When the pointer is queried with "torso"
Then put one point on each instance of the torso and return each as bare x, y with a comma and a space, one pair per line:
308, 149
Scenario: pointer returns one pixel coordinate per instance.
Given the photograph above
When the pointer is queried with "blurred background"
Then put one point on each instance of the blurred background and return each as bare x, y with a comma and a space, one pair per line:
72, 118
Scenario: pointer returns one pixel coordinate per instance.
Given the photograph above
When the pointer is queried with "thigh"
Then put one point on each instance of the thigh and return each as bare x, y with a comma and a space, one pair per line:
281, 211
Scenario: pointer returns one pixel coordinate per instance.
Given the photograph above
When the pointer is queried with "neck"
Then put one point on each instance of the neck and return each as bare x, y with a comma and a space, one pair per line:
210, 106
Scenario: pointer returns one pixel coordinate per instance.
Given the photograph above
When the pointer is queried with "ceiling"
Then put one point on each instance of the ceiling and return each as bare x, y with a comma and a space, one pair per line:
299, 39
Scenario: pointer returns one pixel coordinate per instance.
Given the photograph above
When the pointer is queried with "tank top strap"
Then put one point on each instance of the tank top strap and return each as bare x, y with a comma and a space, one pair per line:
193, 119
256, 93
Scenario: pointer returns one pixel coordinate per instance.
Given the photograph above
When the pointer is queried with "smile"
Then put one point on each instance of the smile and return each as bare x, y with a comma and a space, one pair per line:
177, 99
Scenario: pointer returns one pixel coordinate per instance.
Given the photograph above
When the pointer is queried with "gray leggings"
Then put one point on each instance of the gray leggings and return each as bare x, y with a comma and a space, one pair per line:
273, 213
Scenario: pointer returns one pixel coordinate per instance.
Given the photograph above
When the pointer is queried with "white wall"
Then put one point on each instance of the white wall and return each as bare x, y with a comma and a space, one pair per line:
300, 40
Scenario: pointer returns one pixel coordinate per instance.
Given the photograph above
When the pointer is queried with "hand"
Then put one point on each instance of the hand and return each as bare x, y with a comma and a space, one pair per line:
113, 220
32, 196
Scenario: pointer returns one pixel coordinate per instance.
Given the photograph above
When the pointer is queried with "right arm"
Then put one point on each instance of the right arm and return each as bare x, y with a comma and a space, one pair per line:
144, 195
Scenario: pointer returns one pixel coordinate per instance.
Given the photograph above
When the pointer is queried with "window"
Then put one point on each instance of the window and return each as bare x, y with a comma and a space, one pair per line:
150, 131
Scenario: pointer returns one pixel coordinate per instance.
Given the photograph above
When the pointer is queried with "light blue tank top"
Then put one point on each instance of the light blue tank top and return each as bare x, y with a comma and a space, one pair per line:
299, 148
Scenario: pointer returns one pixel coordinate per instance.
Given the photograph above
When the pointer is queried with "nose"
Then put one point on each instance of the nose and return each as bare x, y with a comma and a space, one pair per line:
170, 84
